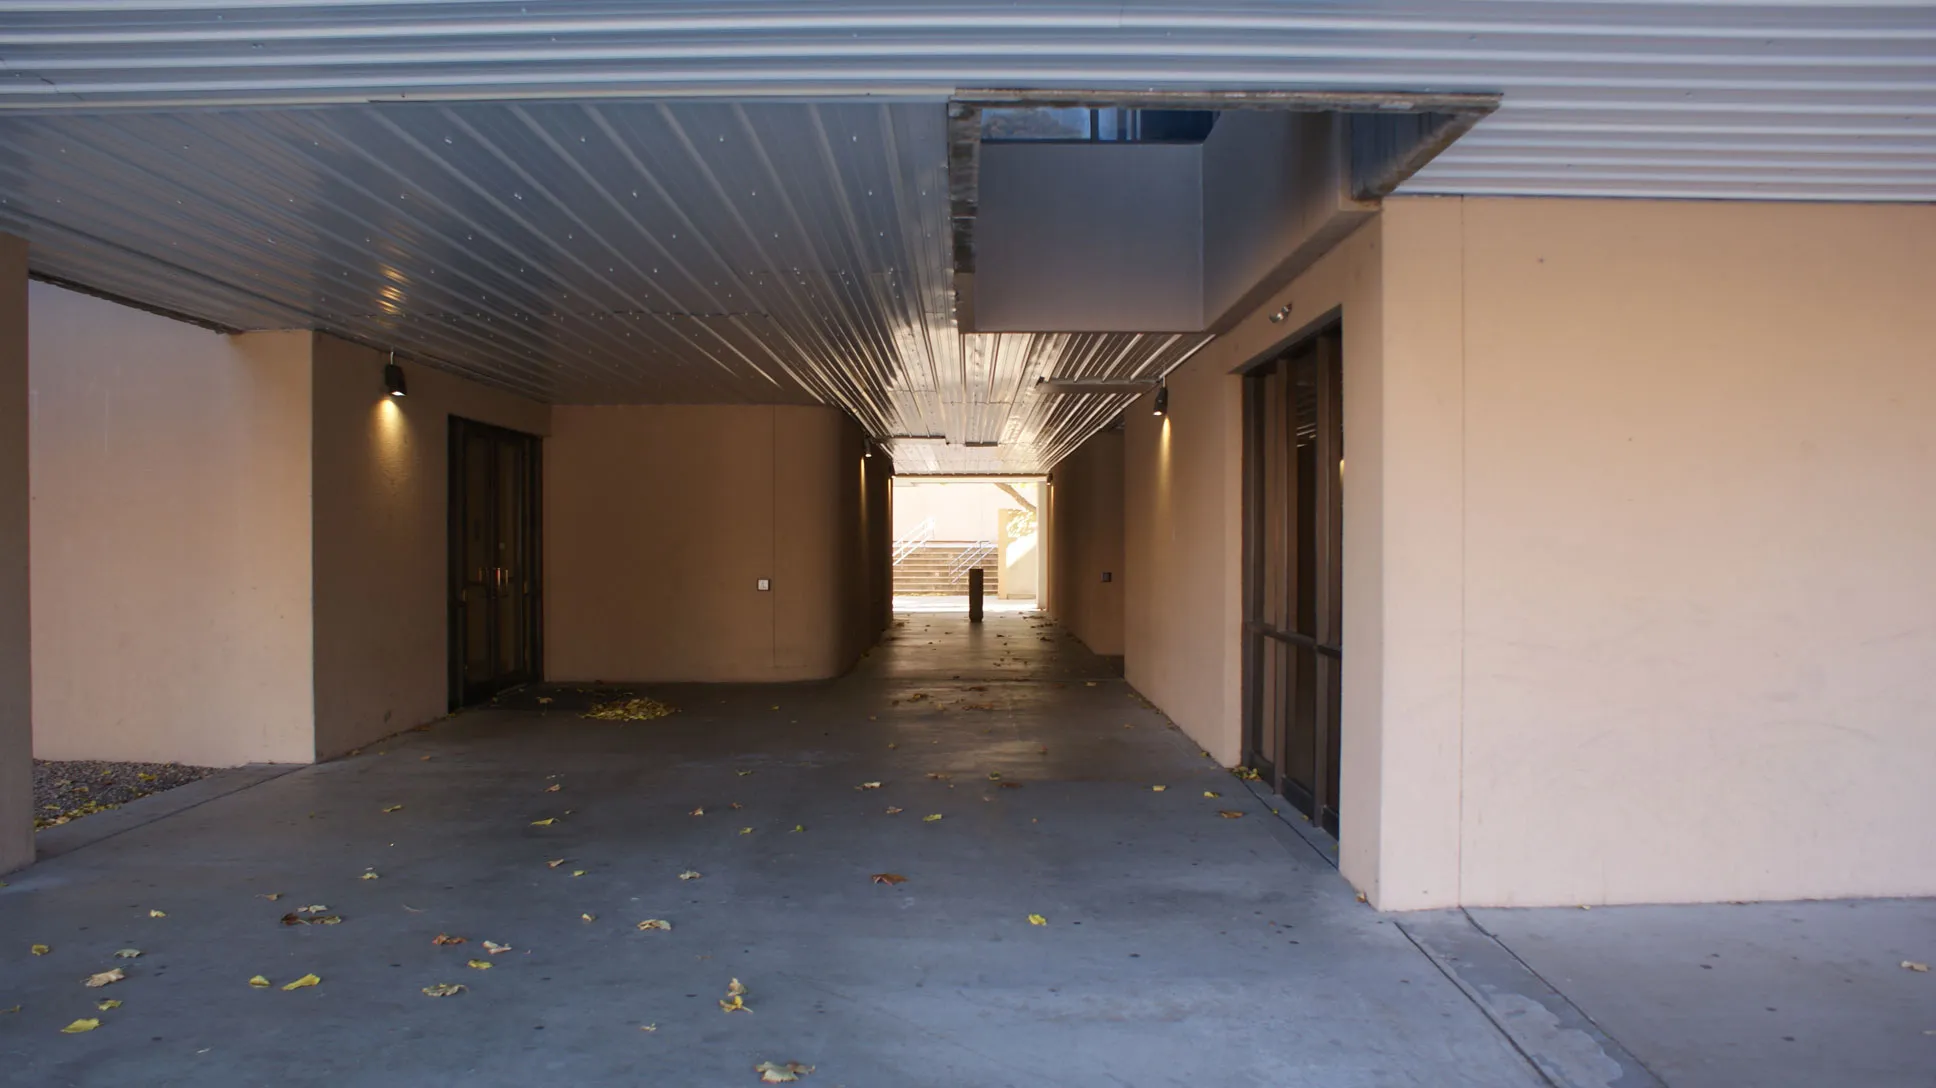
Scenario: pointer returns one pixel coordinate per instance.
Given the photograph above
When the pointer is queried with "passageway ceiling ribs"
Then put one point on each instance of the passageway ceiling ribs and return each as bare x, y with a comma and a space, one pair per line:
582, 253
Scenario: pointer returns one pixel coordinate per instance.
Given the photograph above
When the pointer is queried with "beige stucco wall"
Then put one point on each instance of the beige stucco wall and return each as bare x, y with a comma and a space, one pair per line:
381, 552
170, 537
659, 522
16, 586
1636, 536
1085, 540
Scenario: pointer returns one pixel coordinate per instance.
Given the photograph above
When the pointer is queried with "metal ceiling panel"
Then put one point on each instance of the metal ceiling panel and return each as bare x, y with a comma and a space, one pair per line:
580, 253
1685, 91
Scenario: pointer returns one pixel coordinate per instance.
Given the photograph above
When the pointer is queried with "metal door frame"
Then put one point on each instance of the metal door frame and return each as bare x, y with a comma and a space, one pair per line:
460, 429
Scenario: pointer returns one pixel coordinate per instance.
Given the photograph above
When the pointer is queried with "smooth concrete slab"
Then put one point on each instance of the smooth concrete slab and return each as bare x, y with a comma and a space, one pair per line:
1765, 994
1181, 947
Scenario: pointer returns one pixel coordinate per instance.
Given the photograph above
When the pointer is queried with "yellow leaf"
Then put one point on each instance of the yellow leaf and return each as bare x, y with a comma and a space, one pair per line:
494, 948
1211, 793
700, 811
103, 978
735, 999
260, 983
690, 874
302, 983
481, 965
743, 774
16, 1008
656, 923
554, 863
554, 787
370, 874
1158, 789
110, 1003
648, 1027
930, 818
128, 954
546, 822
746, 831
443, 989
1230, 814
270, 896
393, 808
579, 872
799, 827
40, 950
893, 811
1037, 920
774, 1073
79, 1026
589, 917
157, 914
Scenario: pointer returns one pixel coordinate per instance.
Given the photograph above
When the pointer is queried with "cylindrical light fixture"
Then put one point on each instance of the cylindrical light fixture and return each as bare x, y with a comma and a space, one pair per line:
1162, 400
393, 378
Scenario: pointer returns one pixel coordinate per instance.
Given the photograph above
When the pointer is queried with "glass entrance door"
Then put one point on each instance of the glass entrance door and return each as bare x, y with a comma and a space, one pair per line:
1293, 484
494, 560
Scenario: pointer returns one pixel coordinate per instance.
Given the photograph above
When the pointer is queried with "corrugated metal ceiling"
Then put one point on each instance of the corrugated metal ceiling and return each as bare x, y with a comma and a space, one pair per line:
609, 250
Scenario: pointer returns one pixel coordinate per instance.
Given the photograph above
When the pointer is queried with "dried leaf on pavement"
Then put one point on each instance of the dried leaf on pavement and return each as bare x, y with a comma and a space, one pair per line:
746, 831
1211, 793
589, 917
554, 863
554, 787
445, 938
1037, 920
393, 808
1158, 789
775, 1073
128, 954
889, 878
868, 786
656, 923
40, 949
110, 1003
481, 965
630, 710
157, 914
1230, 814
370, 874
1912, 965
691, 874
302, 983
893, 810
494, 948
443, 989
79, 1026
103, 978
930, 818
700, 811
259, 982
546, 822
270, 896
735, 999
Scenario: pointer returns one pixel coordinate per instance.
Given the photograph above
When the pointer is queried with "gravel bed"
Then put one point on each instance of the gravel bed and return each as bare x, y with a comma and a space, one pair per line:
66, 790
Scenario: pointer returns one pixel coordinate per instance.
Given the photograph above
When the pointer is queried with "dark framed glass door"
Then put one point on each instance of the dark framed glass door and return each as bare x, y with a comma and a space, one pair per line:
1293, 585
495, 560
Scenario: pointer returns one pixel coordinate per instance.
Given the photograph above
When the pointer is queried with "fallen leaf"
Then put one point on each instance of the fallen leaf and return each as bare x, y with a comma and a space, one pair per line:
103, 978
313, 908
16, 1008
589, 917
579, 872
743, 774
544, 700
870, 718
481, 965
1158, 789
260, 983
656, 923
889, 878
735, 999
445, 938
994, 776
937, 776
1211, 793
630, 710
370, 874
1230, 814
735, 804
893, 811
110, 1003
1248, 774
40, 950
128, 954
554, 863
326, 920
157, 914
1361, 897
868, 786
554, 787
772, 1073
690, 874
443, 989
79, 1026
302, 983
546, 822
270, 896
494, 948
932, 817
1037, 920
1912, 965
393, 808
746, 831
648, 1027
799, 827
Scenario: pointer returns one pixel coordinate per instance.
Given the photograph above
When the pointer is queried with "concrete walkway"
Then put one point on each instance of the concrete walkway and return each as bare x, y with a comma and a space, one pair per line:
1179, 947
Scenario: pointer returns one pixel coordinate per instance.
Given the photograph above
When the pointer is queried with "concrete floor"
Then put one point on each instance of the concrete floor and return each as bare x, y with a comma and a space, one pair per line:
1181, 948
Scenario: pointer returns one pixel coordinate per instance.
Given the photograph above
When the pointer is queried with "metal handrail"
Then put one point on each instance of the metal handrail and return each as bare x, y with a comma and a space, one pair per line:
978, 551
913, 542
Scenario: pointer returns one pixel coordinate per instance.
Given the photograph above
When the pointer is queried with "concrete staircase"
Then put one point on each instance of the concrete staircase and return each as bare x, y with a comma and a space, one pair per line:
940, 568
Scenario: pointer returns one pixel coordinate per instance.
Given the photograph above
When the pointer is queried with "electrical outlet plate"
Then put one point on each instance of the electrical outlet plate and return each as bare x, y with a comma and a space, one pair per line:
765, 584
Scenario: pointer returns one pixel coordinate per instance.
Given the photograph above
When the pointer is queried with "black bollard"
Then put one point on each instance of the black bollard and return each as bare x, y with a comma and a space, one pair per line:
974, 595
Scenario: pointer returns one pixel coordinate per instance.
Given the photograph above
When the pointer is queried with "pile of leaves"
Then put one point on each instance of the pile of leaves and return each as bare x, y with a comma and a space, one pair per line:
630, 710
66, 790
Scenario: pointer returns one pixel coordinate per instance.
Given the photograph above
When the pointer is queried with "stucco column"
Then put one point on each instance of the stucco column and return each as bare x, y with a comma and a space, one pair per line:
16, 699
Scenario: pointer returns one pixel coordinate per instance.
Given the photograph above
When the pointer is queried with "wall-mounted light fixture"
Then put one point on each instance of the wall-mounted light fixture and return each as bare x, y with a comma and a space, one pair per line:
1283, 312
393, 378
1162, 406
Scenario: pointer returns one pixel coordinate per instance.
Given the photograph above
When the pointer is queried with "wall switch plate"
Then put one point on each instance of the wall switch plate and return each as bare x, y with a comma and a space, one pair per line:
1108, 577
766, 584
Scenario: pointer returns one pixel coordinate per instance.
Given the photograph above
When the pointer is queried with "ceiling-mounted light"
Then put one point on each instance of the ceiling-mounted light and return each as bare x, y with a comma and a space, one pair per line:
1162, 406
393, 378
